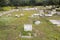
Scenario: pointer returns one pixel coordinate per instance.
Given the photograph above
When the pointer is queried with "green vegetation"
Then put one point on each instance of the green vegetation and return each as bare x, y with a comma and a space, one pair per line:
6, 8
28, 2
10, 27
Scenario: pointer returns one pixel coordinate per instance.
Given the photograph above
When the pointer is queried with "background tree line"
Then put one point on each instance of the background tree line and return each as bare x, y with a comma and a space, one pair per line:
28, 2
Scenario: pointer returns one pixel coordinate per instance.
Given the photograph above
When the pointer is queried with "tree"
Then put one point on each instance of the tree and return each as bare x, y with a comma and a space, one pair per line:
28, 2
2, 3
56, 2
32, 2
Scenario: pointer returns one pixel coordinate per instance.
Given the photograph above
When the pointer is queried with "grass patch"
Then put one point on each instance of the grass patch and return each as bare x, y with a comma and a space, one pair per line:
15, 26
6, 8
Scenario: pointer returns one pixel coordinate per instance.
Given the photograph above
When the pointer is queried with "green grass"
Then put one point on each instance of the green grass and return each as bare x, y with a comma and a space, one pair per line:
6, 8
15, 25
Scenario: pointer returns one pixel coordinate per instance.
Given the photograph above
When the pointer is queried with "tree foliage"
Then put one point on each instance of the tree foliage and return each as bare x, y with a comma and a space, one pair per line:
28, 2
